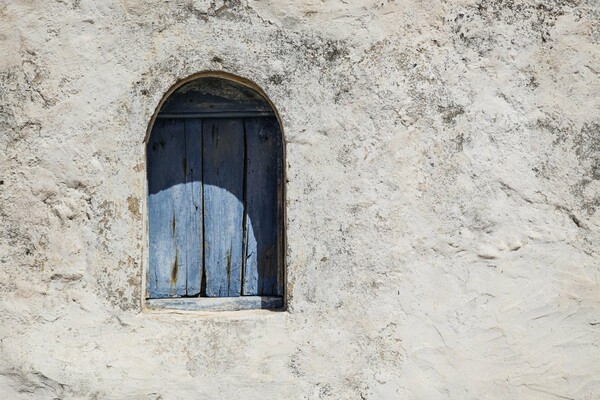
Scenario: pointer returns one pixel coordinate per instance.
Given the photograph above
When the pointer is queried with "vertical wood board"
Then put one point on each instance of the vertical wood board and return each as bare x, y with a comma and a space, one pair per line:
262, 275
223, 172
189, 230
166, 183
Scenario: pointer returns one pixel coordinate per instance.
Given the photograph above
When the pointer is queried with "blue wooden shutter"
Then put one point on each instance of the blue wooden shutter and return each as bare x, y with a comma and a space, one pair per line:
262, 229
192, 217
223, 156
215, 170
174, 208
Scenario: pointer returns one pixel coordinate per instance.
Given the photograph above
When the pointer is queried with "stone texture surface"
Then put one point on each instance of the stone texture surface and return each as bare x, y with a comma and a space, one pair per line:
443, 166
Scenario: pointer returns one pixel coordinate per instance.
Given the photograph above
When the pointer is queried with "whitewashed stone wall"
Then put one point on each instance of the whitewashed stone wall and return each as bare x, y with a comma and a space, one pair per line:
443, 195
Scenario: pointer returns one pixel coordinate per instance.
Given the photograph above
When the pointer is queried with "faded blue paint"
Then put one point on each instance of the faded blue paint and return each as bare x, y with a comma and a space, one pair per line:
191, 208
166, 182
261, 260
223, 166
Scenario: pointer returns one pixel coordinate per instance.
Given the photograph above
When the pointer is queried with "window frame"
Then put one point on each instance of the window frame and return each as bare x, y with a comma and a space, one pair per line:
217, 304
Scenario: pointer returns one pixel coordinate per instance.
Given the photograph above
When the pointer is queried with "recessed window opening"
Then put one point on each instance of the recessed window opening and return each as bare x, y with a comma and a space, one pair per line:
215, 184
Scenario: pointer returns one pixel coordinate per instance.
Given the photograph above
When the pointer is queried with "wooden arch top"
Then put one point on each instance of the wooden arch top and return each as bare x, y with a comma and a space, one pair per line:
215, 97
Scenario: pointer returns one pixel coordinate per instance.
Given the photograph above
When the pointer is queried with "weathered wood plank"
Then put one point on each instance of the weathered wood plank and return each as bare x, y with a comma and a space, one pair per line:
166, 186
214, 95
217, 303
262, 275
189, 230
223, 170
223, 114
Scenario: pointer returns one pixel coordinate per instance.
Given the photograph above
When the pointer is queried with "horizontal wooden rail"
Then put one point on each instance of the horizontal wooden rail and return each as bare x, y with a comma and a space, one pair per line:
240, 114
217, 303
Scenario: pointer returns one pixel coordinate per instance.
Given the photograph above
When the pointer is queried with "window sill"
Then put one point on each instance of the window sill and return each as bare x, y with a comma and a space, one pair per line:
217, 303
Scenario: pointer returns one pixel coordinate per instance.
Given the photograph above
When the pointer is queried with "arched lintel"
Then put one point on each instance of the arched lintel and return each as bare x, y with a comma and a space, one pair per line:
213, 74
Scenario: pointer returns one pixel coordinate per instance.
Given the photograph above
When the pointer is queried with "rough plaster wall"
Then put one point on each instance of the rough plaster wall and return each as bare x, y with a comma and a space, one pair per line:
443, 165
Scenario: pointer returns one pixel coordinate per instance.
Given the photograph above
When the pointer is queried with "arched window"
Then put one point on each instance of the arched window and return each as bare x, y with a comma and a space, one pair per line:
215, 204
